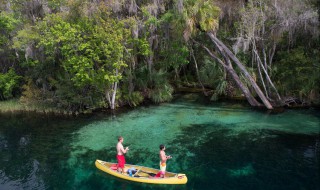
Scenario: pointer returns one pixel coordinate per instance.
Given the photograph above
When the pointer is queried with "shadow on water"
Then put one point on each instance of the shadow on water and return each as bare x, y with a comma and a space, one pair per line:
249, 160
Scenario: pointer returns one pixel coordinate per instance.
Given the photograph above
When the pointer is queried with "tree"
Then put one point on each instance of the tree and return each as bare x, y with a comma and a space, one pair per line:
8, 82
203, 16
91, 51
262, 26
8, 25
80, 54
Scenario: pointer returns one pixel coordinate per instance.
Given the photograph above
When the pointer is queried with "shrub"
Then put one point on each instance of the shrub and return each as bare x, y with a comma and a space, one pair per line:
8, 82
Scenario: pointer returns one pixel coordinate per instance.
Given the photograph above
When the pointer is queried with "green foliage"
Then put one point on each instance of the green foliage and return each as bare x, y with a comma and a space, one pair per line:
10, 105
200, 14
86, 97
150, 19
7, 22
162, 93
92, 53
222, 86
8, 82
72, 52
210, 72
208, 16
56, 4
296, 72
26, 36
245, 58
31, 93
142, 77
174, 56
220, 89
141, 46
168, 17
134, 98
162, 90
155, 86
89, 52
7, 25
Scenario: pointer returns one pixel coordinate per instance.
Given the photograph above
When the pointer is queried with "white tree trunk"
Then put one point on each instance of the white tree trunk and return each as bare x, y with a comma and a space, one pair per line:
228, 67
112, 98
257, 89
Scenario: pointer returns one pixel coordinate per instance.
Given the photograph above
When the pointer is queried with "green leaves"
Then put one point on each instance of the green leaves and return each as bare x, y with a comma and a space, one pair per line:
201, 13
76, 50
296, 72
82, 53
7, 25
8, 81
91, 53
208, 16
7, 22
175, 55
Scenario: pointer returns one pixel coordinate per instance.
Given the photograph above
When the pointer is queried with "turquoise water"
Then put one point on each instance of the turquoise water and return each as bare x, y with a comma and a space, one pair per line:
218, 146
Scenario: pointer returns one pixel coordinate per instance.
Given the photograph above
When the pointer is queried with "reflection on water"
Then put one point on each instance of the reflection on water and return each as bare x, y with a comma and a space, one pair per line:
218, 145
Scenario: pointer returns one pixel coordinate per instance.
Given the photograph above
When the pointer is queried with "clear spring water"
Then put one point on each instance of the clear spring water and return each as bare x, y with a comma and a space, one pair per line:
218, 146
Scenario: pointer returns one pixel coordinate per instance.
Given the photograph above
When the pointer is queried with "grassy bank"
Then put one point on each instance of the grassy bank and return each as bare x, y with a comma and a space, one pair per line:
15, 106
11, 106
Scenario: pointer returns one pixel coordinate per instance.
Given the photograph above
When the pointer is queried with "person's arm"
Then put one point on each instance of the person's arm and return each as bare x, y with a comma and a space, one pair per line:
164, 157
124, 150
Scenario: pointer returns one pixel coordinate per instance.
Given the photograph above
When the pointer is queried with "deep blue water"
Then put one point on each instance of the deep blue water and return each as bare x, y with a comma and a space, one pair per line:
218, 145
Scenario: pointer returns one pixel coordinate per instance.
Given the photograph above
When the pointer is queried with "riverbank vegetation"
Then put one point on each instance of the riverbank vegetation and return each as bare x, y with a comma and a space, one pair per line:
78, 55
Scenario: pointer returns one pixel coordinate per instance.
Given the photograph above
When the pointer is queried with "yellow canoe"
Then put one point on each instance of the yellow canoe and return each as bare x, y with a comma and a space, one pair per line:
143, 174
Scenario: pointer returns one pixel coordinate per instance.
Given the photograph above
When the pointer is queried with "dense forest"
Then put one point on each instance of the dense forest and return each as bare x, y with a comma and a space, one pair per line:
87, 54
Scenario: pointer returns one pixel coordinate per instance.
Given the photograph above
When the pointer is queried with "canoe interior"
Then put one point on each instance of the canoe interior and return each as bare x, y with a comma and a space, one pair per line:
142, 172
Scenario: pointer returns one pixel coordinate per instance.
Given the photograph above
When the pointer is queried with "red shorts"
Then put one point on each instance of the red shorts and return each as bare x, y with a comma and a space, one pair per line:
121, 161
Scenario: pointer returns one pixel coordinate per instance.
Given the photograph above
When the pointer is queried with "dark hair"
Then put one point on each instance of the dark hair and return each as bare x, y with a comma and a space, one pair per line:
119, 138
161, 146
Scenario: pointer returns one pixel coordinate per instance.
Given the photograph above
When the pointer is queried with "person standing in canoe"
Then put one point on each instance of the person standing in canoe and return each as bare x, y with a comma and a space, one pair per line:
120, 155
163, 160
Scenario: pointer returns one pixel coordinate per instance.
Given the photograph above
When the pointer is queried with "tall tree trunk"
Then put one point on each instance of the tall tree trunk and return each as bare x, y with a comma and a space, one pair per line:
262, 81
228, 67
197, 71
260, 64
112, 99
257, 89
150, 64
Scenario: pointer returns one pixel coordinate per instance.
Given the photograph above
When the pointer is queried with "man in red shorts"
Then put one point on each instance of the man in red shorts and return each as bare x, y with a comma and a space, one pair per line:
120, 155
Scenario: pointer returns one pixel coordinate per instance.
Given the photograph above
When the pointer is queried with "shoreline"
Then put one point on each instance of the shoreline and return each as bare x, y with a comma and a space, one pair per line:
14, 106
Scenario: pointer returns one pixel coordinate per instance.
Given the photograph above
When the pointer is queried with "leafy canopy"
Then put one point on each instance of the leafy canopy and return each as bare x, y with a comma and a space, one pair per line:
8, 81
92, 53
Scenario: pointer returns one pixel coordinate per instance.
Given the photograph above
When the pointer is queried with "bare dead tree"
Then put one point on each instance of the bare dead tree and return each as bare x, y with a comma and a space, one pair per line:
254, 34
